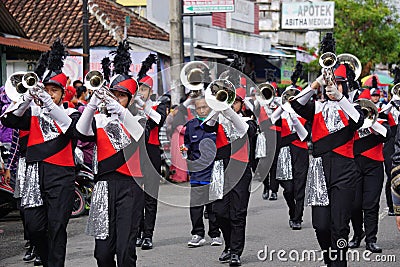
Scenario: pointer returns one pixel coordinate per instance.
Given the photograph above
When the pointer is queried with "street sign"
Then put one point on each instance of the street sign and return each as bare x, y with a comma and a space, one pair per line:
207, 6
128, 21
308, 15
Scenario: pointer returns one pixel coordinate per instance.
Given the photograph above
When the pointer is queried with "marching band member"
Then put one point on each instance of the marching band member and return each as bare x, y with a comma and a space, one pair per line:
117, 200
368, 152
50, 161
334, 122
231, 210
395, 177
272, 133
294, 156
156, 114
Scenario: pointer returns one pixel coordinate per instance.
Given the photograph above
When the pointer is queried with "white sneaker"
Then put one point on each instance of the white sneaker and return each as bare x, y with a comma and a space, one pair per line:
216, 241
196, 241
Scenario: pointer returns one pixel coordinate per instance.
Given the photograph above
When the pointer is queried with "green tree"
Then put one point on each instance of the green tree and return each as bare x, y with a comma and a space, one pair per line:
368, 29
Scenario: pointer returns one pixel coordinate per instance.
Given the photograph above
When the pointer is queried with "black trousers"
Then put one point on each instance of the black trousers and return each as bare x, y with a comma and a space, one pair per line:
300, 162
368, 191
231, 210
152, 171
388, 151
273, 183
199, 198
47, 224
125, 204
331, 223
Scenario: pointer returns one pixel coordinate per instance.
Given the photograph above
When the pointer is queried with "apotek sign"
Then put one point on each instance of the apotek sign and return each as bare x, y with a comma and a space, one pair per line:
207, 6
307, 15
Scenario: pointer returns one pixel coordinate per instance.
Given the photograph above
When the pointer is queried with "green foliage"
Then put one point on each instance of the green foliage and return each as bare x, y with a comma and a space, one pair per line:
368, 29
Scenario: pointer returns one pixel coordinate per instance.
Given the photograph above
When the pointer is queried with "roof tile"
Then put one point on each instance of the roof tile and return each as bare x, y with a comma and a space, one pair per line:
44, 21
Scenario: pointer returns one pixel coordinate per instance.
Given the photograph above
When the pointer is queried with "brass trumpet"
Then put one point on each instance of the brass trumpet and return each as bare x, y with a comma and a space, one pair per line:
287, 96
220, 94
20, 83
193, 77
94, 80
327, 61
395, 91
370, 112
265, 93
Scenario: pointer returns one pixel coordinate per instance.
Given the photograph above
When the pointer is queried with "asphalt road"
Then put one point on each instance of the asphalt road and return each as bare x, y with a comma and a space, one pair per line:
267, 227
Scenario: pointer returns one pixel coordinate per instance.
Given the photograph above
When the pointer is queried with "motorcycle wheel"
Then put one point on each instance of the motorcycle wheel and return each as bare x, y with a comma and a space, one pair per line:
79, 204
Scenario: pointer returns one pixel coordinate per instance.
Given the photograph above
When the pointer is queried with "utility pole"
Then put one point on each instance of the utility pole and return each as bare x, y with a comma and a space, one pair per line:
86, 42
176, 43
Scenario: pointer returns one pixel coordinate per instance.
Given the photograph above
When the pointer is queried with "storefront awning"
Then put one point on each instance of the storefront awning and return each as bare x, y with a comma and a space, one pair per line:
271, 53
163, 47
29, 45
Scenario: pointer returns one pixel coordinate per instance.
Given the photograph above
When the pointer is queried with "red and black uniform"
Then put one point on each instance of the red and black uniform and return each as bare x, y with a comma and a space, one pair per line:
231, 210
268, 164
368, 152
294, 189
388, 151
153, 171
333, 142
53, 150
119, 164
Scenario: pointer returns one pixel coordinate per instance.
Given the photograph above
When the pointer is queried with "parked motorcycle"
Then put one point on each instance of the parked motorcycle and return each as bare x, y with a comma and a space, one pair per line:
84, 184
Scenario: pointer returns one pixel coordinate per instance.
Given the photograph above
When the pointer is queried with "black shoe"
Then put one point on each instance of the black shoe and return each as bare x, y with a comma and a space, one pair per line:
296, 226
391, 213
235, 260
37, 262
373, 247
27, 244
147, 243
274, 196
30, 254
265, 194
206, 214
139, 242
356, 240
225, 256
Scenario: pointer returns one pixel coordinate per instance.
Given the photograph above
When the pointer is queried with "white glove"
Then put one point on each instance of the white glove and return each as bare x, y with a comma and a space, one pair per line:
276, 115
94, 102
321, 80
132, 124
47, 101
139, 101
19, 108
333, 93
379, 128
298, 127
349, 109
187, 102
212, 118
114, 107
237, 121
154, 115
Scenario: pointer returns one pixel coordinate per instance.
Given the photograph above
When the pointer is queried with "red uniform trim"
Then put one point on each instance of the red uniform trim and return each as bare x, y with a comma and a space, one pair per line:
242, 154
132, 165
105, 148
319, 131
263, 115
63, 158
222, 139
36, 136
154, 138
